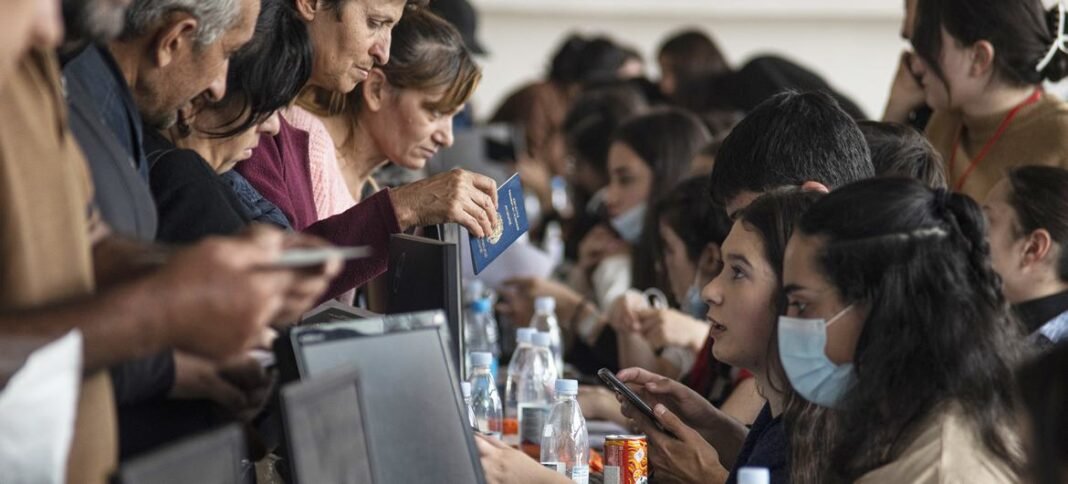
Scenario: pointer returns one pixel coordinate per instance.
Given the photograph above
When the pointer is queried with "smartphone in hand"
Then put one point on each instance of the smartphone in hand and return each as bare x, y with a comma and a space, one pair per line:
635, 401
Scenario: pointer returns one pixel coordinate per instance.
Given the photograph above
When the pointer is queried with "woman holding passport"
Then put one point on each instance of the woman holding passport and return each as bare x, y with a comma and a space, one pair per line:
213, 136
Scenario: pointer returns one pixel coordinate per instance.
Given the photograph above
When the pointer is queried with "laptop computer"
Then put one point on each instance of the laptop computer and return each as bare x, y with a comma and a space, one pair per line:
215, 457
415, 421
323, 422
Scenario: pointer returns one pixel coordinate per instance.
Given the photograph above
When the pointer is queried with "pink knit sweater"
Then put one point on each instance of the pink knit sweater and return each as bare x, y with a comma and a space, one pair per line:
329, 191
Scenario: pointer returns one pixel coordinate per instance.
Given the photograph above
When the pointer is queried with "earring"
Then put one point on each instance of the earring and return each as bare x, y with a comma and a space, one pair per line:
183, 126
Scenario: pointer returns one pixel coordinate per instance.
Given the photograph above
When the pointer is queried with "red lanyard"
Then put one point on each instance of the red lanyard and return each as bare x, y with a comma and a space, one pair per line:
989, 143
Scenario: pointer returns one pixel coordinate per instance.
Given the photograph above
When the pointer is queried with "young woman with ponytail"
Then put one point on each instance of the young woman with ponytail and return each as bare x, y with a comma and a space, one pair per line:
896, 323
982, 64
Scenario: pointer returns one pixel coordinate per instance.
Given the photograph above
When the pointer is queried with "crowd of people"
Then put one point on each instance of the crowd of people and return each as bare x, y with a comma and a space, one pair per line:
847, 300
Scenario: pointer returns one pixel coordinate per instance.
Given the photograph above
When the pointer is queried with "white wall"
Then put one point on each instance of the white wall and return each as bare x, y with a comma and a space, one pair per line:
854, 44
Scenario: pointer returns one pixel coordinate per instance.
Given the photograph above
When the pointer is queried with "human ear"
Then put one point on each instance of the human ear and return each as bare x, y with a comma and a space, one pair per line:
374, 90
814, 186
982, 59
1037, 246
172, 38
307, 9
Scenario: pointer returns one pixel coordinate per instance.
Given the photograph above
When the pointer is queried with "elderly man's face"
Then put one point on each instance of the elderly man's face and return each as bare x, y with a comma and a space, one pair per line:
349, 42
196, 70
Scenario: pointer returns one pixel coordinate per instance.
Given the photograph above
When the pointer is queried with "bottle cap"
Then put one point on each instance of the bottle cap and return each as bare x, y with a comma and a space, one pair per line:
481, 306
465, 389
754, 475
541, 340
566, 387
481, 359
545, 303
524, 335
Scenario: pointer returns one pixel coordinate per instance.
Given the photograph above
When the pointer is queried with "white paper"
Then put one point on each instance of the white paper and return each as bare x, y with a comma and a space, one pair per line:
37, 412
522, 259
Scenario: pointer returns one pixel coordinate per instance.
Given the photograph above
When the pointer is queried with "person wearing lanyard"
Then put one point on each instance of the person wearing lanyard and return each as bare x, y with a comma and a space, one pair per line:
982, 64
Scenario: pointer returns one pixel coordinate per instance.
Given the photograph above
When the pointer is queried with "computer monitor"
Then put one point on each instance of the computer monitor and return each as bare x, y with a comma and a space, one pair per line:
415, 419
323, 421
212, 458
424, 275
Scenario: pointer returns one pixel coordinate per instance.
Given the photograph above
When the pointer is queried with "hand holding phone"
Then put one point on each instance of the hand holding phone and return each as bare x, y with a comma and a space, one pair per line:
635, 401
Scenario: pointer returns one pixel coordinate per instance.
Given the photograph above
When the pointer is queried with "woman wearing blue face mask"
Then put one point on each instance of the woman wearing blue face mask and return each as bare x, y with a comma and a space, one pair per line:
897, 323
745, 300
649, 154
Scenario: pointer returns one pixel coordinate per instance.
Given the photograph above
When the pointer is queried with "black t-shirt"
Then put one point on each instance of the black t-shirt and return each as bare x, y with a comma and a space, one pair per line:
765, 446
192, 200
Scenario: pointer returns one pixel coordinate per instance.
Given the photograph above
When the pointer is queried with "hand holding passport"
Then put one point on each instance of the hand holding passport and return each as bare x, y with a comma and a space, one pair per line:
511, 224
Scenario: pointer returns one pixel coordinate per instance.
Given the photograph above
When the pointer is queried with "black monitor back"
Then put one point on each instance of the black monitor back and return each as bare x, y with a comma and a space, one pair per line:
415, 418
323, 421
424, 275
211, 458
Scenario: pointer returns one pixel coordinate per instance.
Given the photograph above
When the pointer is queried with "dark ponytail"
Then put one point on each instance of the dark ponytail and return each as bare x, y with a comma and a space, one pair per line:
938, 331
1021, 31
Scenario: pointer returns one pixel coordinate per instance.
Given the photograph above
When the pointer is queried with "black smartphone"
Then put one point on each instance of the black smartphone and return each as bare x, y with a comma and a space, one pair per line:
619, 387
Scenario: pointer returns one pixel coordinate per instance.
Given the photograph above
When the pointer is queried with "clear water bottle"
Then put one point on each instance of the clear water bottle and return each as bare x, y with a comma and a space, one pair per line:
465, 390
485, 402
754, 475
481, 333
524, 351
565, 443
558, 194
544, 320
535, 395
553, 243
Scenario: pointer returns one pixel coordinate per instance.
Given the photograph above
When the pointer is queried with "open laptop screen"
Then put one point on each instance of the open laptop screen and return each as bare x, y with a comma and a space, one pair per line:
414, 415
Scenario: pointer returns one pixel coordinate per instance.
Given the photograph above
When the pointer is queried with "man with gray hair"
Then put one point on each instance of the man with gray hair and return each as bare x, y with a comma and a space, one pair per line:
169, 52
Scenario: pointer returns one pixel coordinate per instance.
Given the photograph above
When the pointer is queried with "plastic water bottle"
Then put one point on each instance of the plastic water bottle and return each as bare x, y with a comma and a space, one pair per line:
465, 390
553, 243
485, 402
544, 320
565, 443
559, 197
481, 333
524, 351
754, 475
535, 395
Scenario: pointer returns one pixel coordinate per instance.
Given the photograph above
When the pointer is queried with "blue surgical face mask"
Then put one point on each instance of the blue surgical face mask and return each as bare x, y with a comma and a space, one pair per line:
695, 306
629, 224
802, 345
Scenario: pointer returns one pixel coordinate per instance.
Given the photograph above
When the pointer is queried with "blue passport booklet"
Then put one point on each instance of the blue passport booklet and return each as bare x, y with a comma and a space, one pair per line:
511, 224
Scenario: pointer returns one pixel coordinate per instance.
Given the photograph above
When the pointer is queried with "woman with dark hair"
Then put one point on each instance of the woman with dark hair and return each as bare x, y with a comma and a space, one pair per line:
744, 301
897, 324
649, 155
687, 56
211, 137
982, 64
691, 232
402, 113
899, 150
1028, 234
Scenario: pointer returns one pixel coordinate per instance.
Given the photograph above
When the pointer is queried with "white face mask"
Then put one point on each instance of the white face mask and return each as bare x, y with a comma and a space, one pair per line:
802, 348
629, 224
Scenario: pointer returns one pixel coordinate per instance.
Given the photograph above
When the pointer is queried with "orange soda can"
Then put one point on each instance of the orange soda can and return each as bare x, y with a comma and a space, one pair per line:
626, 459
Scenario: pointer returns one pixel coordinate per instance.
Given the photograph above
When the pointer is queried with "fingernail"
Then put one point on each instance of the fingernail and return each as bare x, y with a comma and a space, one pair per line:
659, 410
651, 386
